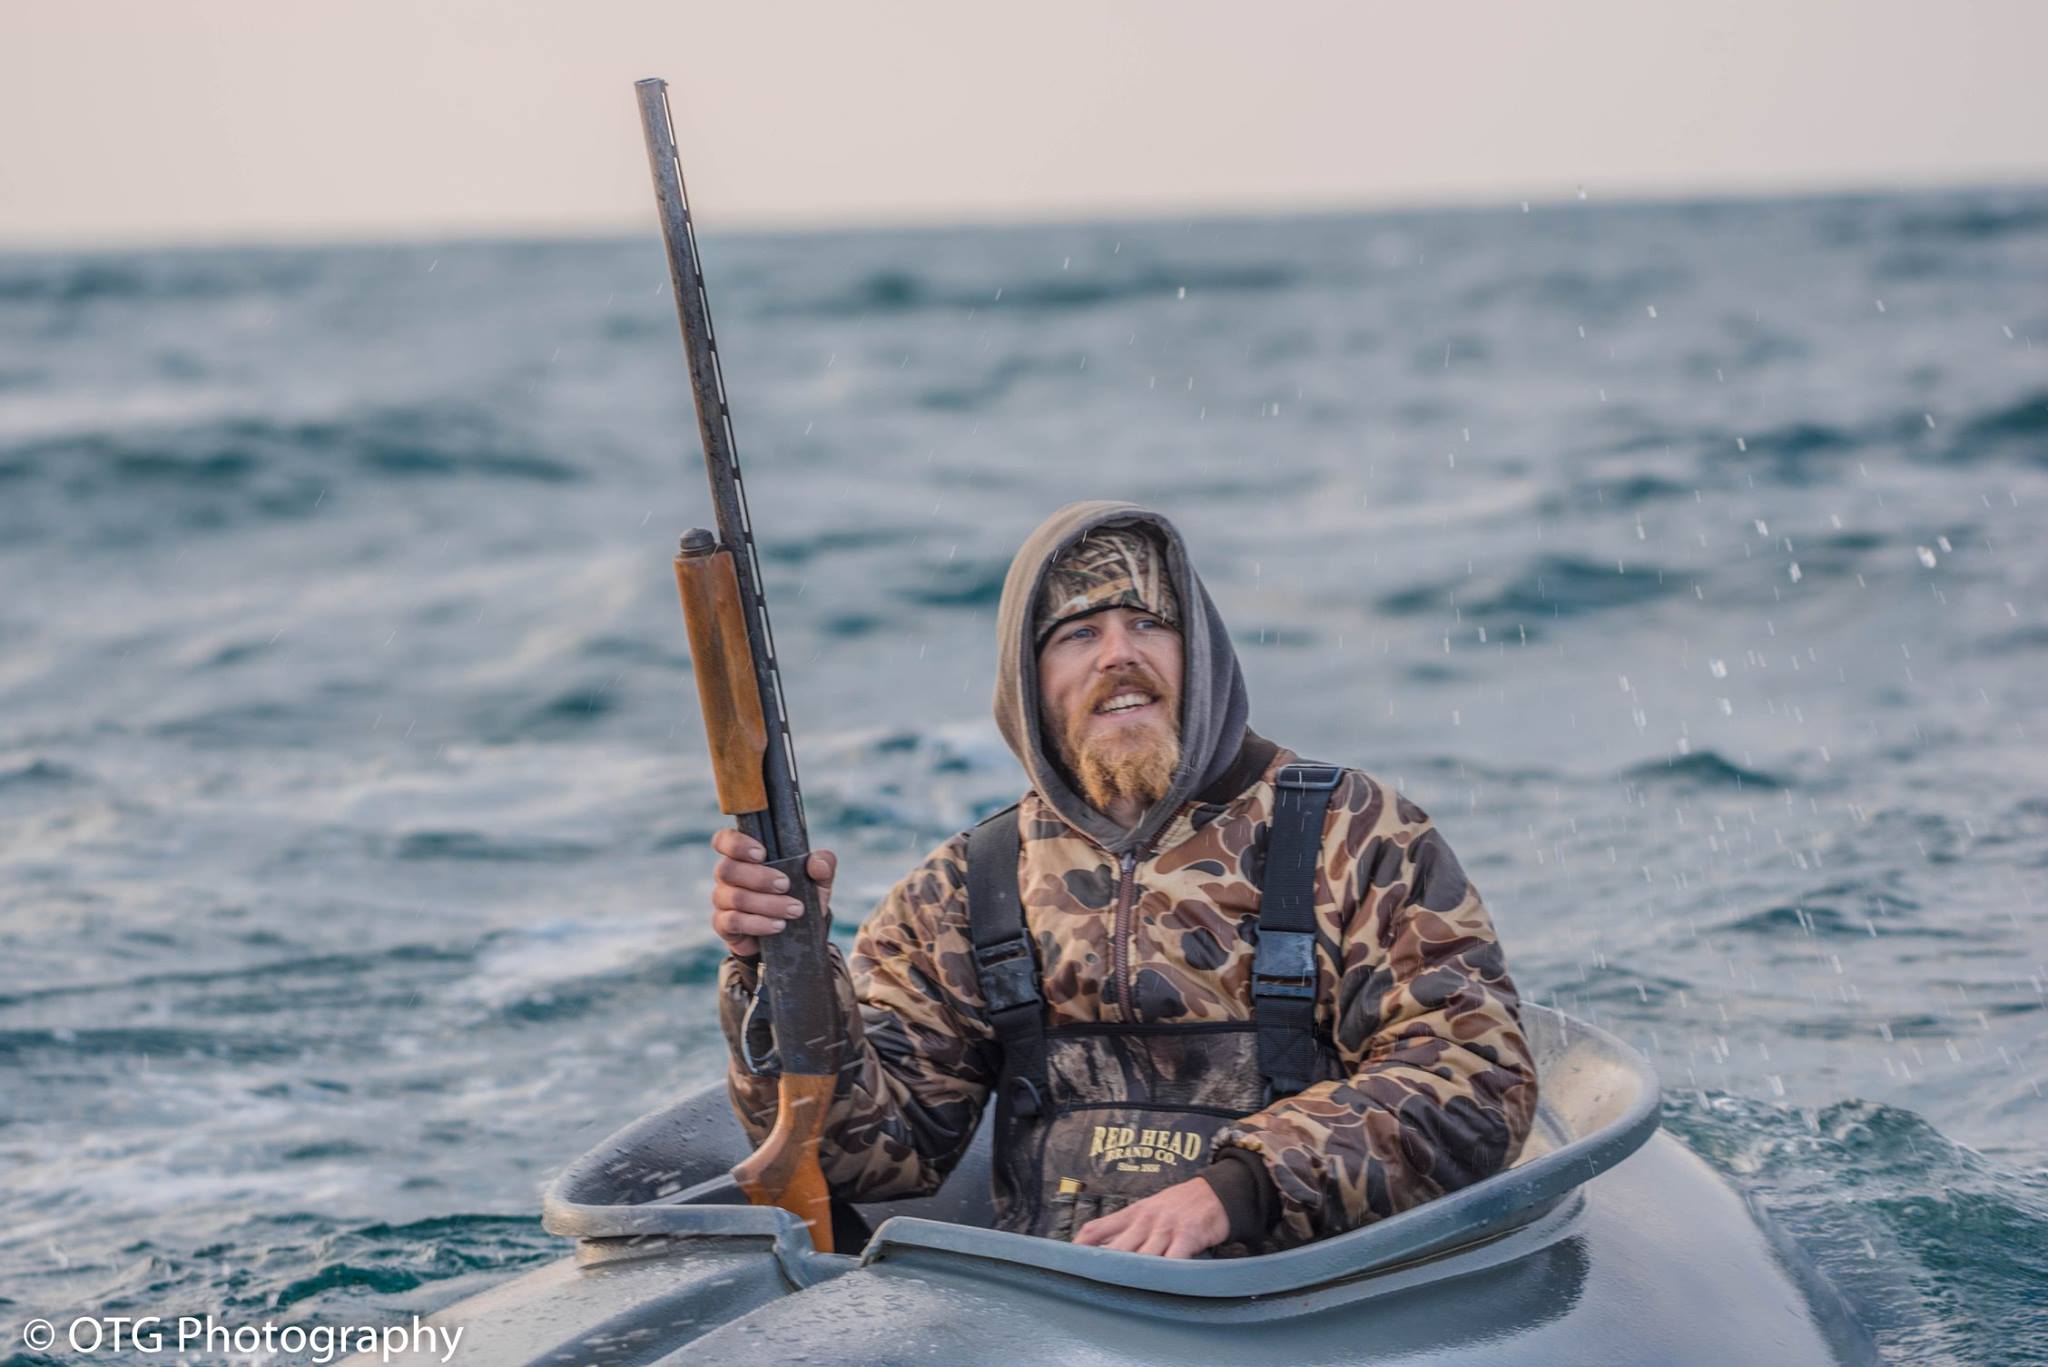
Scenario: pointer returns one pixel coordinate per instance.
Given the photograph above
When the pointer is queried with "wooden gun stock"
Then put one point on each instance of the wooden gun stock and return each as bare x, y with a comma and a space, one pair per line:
784, 1171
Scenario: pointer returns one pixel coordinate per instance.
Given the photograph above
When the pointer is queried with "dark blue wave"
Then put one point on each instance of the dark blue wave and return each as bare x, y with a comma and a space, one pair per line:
1940, 1251
903, 290
219, 474
1552, 586
1703, 768
177, 276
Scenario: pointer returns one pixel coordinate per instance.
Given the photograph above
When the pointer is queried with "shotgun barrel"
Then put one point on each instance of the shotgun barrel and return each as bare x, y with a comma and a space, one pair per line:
747, 721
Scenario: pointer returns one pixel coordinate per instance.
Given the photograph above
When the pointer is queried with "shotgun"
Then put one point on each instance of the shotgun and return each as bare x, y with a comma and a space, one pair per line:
753, 761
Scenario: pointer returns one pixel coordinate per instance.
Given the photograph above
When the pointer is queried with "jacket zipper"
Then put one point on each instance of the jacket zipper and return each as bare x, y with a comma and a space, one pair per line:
1124, 932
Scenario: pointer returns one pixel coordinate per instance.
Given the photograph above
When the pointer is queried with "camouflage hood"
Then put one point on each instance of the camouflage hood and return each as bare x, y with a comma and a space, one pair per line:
1214, 706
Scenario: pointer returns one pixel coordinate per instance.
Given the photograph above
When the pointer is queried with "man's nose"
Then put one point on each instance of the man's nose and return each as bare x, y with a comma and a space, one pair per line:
1119, 647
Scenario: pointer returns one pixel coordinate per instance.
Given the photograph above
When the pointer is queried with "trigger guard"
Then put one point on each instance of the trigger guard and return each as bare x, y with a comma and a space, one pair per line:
757, 1040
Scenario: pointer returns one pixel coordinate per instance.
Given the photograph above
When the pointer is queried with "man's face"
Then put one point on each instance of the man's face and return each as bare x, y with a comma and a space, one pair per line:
1109, 697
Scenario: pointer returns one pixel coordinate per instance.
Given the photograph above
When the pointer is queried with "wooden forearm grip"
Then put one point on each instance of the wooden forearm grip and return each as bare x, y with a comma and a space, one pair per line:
726, 687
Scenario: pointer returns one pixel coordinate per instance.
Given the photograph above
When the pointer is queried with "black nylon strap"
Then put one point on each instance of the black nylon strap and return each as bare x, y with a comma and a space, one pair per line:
1006, 965
1284, 965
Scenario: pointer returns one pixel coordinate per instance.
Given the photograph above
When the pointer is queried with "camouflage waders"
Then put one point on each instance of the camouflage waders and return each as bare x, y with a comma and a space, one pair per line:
1091, 1116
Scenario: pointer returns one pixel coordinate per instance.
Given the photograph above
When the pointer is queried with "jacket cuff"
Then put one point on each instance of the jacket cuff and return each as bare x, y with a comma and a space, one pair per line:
1241, 1182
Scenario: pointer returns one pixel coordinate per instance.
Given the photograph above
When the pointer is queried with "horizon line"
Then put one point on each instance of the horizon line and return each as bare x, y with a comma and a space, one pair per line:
455, 231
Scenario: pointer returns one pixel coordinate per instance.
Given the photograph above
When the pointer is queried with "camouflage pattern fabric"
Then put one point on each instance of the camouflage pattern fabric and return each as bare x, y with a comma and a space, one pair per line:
1439, 1086
1112, 567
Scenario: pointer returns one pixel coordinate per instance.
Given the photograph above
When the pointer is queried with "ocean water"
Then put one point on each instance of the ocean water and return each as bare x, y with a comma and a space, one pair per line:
1683, 561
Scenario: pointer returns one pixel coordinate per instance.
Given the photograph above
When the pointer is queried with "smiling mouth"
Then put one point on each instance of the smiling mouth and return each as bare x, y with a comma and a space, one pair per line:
1127, 701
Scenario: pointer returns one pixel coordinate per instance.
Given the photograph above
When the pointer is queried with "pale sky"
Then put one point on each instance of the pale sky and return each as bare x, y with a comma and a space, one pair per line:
182, 120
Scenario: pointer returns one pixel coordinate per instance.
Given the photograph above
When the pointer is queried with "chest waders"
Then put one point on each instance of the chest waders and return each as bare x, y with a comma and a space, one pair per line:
1090, 1117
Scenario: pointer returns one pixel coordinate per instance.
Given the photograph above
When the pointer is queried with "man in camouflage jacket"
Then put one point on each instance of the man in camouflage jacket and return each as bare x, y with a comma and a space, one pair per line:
1142, 837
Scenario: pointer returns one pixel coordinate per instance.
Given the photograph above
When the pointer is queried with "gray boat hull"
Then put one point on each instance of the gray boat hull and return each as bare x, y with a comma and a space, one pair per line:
1611, 1244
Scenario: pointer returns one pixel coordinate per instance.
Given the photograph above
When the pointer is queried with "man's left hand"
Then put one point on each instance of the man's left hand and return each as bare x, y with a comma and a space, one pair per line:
1179, 1222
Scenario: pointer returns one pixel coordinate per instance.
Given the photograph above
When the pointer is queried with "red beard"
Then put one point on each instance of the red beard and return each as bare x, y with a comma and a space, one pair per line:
1134, 763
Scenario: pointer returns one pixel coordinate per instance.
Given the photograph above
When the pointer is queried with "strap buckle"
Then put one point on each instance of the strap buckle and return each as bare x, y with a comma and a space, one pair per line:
1023, 1097
1313, 778
1284, 964
1008, 971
